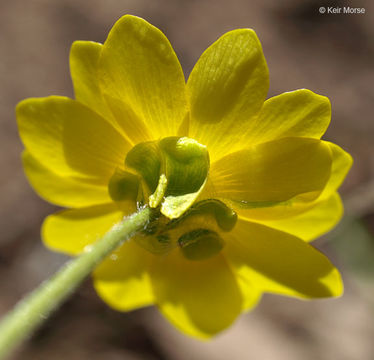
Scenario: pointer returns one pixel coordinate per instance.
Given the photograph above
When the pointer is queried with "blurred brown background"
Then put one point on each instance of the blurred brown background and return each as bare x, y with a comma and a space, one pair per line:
329, 54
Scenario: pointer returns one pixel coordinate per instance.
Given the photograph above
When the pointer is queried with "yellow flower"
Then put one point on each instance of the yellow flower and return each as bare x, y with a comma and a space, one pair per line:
239, 185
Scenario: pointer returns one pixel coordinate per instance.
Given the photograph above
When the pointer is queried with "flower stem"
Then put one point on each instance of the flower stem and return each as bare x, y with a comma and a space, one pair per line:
30, 312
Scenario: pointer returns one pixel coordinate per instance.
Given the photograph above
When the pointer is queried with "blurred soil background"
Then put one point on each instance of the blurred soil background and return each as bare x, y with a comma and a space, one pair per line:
329, 54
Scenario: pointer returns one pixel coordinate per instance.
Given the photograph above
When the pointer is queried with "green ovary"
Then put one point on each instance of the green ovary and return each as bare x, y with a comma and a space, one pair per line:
169, 175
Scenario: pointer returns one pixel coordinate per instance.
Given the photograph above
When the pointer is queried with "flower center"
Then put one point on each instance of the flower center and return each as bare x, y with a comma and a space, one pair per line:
169, 175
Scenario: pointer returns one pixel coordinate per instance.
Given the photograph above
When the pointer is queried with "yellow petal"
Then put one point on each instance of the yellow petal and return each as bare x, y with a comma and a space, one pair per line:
201, 298
250, 293
84, 59
122, 279
227, 88
273, 172
70, 139
142, 80
309, 225
71, 231
292, 114
341, 163
62, 190
281, 263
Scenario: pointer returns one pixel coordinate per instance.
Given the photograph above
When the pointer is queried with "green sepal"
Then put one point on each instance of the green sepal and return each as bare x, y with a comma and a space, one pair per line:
200, 244
186, 166
175, 206
174, 170
225, 217
123, 186
145, 159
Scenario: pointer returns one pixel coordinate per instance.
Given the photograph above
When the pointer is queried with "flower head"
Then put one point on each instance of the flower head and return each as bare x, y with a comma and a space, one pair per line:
238, 185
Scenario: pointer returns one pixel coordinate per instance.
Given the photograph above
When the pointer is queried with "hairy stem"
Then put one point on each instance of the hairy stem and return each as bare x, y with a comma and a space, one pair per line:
30, 312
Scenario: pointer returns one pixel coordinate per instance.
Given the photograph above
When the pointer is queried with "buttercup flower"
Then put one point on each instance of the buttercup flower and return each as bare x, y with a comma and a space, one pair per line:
238, 185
